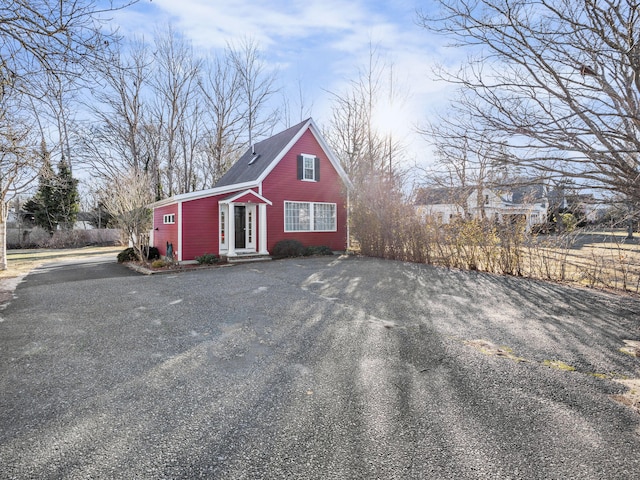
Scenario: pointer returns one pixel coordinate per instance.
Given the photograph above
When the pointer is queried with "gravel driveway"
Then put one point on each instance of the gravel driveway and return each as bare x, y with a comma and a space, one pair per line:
318, 368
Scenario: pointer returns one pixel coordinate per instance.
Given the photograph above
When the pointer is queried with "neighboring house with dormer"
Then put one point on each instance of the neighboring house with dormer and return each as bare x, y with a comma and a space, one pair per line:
503, 205
289, 186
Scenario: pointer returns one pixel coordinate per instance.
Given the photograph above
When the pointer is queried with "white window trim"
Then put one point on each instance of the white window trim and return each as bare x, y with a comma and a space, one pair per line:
306, 157
169, 219
312, 216
222, 227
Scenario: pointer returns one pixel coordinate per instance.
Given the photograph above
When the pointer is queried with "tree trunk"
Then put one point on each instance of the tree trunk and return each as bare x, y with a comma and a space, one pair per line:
3, 235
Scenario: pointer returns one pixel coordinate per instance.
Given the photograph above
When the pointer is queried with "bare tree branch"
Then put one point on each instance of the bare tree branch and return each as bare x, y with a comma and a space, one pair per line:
556, 81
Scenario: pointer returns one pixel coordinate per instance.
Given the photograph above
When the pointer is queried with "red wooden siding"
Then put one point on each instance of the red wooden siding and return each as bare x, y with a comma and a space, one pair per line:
282, 184
165, 233
248, 198
200, 227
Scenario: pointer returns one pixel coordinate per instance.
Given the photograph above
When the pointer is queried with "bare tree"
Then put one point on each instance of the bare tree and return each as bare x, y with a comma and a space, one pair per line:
257, 86
175, 89
221, 88
41, 42
191, 135
363, 149
465, 155
557, 80
54, 104
297, 110
127, 199
115, 143
51, 38
18, 166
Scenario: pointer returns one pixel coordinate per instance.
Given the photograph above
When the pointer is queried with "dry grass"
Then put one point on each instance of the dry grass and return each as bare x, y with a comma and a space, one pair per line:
594, 259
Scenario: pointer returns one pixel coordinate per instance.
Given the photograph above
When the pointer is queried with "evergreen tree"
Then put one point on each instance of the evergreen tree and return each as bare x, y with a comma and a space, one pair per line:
56, 203
66, 196
39, 205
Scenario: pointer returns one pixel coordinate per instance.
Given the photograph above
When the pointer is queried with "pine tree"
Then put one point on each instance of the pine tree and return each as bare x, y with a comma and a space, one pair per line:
56, 203
66, 196
39, 205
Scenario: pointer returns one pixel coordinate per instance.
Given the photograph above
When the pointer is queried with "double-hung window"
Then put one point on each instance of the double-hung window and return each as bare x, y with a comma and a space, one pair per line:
309, 217
308, 168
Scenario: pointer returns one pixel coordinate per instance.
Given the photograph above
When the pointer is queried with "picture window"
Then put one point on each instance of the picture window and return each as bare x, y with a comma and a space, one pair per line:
309, 217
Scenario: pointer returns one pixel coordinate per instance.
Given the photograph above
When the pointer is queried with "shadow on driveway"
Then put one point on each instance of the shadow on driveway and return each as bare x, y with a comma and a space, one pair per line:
314, 368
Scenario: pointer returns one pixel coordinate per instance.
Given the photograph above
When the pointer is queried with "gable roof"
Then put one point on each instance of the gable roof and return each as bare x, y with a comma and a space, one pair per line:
250, 166
247, 196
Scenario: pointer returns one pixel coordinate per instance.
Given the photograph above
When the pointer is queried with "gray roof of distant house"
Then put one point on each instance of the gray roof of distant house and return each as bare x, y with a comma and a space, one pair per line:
443, 195
458, 195
266, 151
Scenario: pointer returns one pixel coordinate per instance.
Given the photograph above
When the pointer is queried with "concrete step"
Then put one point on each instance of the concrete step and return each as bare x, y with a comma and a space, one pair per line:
248, 257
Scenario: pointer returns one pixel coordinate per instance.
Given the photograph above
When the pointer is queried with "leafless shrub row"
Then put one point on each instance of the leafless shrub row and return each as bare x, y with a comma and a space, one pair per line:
40, 238
388, 229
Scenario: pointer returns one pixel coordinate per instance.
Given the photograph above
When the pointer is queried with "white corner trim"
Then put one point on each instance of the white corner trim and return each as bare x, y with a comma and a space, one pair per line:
179, 231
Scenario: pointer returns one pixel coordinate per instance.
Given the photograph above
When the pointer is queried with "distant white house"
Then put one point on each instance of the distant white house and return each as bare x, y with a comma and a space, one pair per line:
445, 204
586, 207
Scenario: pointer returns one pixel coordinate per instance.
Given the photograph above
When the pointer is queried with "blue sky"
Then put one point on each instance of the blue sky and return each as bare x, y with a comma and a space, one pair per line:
318, 45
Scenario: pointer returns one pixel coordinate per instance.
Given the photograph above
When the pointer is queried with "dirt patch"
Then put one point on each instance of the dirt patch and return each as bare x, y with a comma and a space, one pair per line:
632, 347
559, 365
489, 348
631, 398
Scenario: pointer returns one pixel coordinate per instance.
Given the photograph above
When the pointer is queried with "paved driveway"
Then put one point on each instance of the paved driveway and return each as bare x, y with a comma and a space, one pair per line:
318, 368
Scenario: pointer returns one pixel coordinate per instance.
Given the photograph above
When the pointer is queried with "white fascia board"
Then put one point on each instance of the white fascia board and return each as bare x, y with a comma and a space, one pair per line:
186, 197
283, 152
310, 125
242, 194
329, 153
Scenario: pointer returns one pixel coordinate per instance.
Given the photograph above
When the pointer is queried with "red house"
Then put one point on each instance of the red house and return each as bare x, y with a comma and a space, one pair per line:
289, 186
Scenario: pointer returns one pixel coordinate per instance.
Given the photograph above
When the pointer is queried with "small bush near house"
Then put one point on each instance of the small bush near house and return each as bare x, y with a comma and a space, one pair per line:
318, 250
288, 248
127, 255
153, 253
208, 259
158, 264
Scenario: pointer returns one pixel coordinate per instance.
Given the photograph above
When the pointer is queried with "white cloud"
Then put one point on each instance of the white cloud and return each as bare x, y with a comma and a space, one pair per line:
213, 24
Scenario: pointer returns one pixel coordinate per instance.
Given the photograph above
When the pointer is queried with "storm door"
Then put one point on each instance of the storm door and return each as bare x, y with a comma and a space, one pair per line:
241, 226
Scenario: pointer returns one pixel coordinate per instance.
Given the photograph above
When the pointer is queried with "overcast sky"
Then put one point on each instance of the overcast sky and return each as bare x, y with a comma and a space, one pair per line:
317, 45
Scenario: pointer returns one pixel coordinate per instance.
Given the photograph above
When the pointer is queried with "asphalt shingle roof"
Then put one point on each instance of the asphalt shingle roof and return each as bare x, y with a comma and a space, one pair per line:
245, 170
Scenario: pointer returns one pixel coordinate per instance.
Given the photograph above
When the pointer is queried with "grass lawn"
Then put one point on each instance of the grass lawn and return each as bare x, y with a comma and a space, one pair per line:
596, 259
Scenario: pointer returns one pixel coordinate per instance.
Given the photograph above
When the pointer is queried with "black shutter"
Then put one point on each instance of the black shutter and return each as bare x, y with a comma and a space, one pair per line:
317, 169
300, 167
